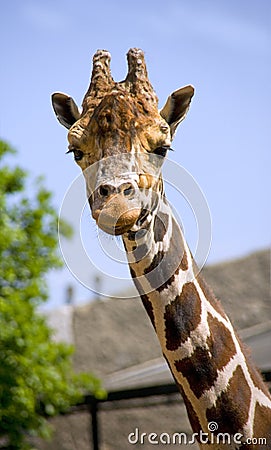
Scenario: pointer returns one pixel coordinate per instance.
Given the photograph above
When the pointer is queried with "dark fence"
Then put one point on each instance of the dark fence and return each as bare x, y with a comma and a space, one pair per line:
116, 400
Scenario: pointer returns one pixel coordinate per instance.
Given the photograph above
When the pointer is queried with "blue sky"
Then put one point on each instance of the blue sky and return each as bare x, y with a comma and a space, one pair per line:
222, 48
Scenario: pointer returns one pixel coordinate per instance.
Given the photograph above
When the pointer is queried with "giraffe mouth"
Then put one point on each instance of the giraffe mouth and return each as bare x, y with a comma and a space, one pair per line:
116, 226
116, 230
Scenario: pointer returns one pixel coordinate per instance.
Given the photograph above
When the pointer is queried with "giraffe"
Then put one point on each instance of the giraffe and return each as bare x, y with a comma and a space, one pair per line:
122, 135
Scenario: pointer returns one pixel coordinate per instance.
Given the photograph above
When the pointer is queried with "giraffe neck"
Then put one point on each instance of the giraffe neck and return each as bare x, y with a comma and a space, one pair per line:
217, 381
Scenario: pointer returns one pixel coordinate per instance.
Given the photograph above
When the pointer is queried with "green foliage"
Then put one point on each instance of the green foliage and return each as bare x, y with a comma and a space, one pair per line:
36, 375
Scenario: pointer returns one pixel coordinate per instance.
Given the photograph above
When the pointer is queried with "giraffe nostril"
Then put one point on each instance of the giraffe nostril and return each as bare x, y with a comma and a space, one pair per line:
128, 190
103, 191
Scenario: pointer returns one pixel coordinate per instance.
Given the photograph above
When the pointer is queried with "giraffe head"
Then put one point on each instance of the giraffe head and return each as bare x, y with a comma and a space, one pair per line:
120, 139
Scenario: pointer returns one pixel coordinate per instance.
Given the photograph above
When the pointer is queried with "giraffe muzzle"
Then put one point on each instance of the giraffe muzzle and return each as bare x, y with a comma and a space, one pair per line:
116, 207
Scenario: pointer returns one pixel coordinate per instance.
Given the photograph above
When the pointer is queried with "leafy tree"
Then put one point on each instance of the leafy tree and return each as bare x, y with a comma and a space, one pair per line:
36, 375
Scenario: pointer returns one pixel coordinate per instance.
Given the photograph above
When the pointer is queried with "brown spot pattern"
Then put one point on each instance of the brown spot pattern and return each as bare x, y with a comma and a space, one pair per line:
201, 369
160, 226
140, 252
155, 262
182, 316
183, 266
136, 282
193, 418
262, 421
220, 343
231, 409
131, 235
184, 262
132, 272
168, 282
149, 308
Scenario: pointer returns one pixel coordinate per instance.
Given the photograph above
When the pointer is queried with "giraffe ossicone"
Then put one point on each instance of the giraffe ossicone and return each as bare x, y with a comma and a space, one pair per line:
216, 378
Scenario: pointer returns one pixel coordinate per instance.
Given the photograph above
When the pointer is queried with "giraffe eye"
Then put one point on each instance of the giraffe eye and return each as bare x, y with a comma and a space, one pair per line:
162, 151
78, 154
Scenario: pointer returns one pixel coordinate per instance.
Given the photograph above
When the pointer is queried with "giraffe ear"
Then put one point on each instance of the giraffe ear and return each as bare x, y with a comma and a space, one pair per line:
177, 106
65, 109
